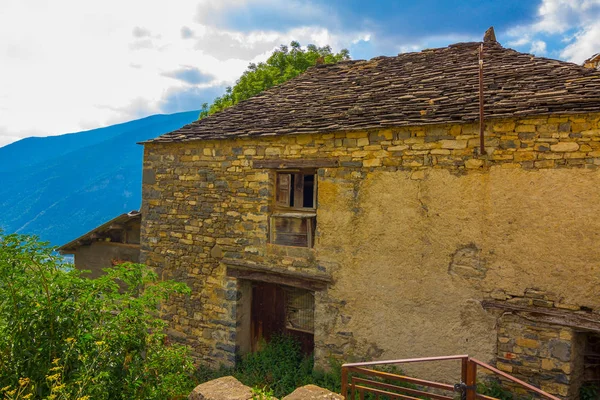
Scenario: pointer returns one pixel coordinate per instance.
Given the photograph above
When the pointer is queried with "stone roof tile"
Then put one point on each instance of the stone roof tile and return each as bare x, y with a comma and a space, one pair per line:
433, 86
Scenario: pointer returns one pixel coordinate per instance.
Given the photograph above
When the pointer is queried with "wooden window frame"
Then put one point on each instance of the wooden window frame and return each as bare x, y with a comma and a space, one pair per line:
281, 210
296, 189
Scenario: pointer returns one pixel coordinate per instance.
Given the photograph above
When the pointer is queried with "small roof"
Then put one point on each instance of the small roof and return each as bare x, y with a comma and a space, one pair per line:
435, 86
101, 230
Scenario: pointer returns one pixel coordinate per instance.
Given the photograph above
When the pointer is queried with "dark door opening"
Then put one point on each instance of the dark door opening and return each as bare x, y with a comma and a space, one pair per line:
278, 309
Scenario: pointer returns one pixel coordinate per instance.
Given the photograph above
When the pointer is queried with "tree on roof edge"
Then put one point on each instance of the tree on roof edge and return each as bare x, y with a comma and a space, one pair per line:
284, 64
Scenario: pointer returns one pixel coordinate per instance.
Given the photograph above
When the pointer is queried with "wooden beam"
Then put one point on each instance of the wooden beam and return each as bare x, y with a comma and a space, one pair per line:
573, 319
296, 163
257, 272
116, 226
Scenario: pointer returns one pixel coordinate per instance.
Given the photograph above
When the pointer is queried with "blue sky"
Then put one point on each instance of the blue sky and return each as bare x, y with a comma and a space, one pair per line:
68, 65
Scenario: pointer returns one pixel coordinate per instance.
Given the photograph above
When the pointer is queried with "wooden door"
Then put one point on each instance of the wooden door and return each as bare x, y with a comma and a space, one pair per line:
268, 317
268, 312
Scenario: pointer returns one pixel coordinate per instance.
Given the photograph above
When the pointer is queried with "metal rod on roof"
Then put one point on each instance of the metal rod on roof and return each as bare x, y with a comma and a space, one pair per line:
481, 120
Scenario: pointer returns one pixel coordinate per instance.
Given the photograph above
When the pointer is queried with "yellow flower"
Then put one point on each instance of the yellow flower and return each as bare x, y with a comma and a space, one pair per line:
84, 398
12, 392
23, 381
28, 396
99, 343
5, 388
70, 340
54, 377
56, 361
59, 387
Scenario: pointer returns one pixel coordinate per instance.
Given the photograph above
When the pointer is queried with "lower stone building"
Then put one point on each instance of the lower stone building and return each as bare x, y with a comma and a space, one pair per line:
359, 208
115, 241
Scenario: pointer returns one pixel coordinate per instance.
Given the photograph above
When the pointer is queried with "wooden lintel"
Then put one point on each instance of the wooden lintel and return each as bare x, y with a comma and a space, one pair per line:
116, 226
296, 163
256, 272
573, 319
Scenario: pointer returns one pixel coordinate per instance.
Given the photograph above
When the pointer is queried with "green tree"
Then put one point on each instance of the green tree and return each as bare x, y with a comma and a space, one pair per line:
64, 336
284, 64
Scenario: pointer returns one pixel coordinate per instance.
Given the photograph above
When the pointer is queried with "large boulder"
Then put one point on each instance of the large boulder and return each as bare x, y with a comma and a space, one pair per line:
226, 388
312, 392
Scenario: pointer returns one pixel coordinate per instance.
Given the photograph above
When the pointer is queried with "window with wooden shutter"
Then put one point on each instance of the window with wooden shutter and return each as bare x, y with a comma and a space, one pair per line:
293, 221
284, 184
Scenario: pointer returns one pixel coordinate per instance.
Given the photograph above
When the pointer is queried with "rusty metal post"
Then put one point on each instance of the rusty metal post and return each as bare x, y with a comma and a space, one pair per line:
481, 116
345, 382
471, 380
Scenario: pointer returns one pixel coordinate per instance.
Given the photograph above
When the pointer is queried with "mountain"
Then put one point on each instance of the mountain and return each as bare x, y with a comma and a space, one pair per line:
60, 187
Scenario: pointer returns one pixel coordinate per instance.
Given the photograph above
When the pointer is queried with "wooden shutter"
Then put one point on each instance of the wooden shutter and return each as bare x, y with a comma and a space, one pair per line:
283, 187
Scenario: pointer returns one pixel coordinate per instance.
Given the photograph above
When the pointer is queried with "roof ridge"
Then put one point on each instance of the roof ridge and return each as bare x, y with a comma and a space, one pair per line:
431, 86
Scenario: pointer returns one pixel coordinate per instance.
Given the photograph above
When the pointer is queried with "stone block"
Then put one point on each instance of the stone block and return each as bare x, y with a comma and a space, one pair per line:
398, 148
525, 128
527, 343
226, 388
524, 156
362, 142
504, 367
374, 162
555, 388
454, 144
560, 349
473, 163
564, 147
312, 392
505, 126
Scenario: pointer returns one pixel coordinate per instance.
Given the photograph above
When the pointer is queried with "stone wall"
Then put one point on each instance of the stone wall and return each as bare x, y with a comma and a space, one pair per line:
544, 355
414, 227
99, 255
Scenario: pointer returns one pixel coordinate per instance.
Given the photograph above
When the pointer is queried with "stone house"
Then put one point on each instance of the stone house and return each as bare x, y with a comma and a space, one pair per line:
114, 241
354, 208
593, 62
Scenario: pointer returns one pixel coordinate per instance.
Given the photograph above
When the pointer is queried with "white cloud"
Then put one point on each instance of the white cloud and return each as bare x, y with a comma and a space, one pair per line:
576, 21
586, 44
71, 65
538, 47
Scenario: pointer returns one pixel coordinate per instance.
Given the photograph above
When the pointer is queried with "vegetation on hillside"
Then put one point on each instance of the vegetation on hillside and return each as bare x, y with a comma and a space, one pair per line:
64, 336
285, 63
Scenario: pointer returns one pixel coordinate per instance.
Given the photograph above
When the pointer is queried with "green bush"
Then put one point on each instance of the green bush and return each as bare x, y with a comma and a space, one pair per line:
589, 391
277, 369
64, 336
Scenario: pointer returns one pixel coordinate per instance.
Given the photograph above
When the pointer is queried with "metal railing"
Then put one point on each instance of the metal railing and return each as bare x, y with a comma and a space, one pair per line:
361, 378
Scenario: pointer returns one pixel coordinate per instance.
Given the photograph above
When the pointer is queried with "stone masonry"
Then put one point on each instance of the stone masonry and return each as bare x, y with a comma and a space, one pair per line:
204, 204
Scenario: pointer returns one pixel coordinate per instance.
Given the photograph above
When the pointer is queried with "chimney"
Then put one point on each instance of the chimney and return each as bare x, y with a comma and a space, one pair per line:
490, 35
593, 62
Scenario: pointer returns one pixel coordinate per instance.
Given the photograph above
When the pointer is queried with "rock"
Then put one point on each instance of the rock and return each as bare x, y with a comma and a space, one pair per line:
563, 147
226, 388
312, 392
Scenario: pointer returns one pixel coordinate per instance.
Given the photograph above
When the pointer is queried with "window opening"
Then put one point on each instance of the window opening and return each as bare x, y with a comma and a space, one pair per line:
294, 221
299, 310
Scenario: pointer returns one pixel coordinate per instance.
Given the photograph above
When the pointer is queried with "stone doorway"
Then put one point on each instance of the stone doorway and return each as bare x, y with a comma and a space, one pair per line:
268, 309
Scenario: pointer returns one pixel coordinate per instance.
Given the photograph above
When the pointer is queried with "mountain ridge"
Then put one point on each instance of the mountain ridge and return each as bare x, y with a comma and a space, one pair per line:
59, 193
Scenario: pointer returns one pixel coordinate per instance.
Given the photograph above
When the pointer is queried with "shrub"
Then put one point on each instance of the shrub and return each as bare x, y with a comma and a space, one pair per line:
64, 336
589, 391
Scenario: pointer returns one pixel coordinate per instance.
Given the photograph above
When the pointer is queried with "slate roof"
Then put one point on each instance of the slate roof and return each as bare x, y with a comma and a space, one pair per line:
429, 87
101, 230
